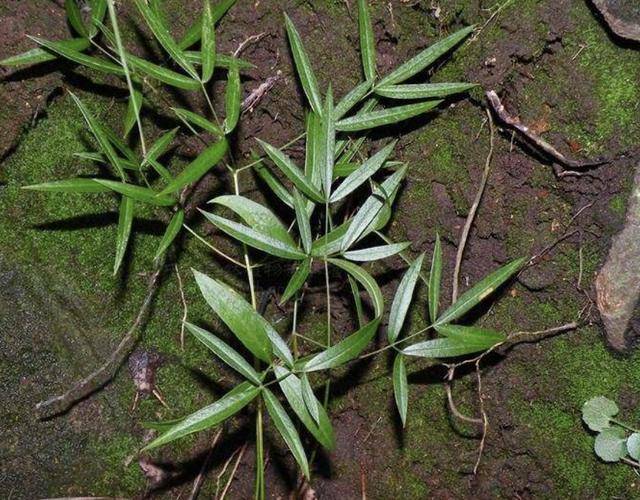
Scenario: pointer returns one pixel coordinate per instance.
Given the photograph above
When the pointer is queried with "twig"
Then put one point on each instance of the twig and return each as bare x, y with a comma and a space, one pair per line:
184, 306
233, 472
98, 378
472, 212
205, 465
485, 418
534, 139
248, 41
253, 99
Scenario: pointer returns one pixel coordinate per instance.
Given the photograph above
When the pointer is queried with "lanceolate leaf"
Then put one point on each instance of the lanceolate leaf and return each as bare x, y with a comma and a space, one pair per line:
434, 280
345, 350
208, 48
39, 55
302, 217
357, 301
74, 16
247, 325
296, 281
198, 121
274, 184
310, 399
173, 229
160, 31
366, 280
195, 32
159, 147
327, 143
363, 174
98, 12
125, 220
425, 58
292, 172
65, 51
475, 334
232, 100
313, 160
162, 74
367, 40
226, 353
256, 216
209, 416
76, 185
480, 291
370, 209
99, 133
139, 193
387, 116
291, 387
401, 387
423, 90
402, 299
353, 97
303, 66
447, 347
330, 243
205, 161
133, 110
376, 253
255, 238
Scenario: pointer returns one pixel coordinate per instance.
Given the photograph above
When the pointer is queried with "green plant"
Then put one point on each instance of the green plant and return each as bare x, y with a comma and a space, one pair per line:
615, 440
330, 184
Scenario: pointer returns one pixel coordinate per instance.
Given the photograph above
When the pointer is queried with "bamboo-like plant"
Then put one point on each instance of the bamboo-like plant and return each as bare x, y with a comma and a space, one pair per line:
276, 372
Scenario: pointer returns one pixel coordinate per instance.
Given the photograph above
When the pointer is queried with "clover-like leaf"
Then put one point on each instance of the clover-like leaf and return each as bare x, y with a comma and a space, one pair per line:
633, 446
598, 412
610, 445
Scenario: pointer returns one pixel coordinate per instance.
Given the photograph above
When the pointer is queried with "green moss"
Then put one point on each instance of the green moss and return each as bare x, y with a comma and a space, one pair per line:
121, 472
618, 205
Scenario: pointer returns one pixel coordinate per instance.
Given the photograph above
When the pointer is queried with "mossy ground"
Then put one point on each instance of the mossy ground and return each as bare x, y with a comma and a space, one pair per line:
537, 390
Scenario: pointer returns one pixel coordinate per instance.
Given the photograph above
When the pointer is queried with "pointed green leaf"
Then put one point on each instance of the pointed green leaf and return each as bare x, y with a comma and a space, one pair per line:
475, 334
291, 387
353, 97
65, 51
448, 347
75, 185
99, 133
195, 32
331, 242
162, 74
139, 193
232, 100
133, 110
402, 299
159, 147
209, 416
367, 40
310, 399
302, 217
610, 444
240, 317
161, 170
424, 90
383, 117
370, 209
198, 121
160, 31
208, 46
193, 172
434, 280
40, 55
376, 253
173, 229
125, 220
425, 58
327, 143
98, 13
293, 173
345, 350
366, 280
226, 353
363, 173
313, 151
274, 184
480, 291
401, 387
296, 281
256, 216
303, 67
74, 16
255, 238
287, 430
598, 412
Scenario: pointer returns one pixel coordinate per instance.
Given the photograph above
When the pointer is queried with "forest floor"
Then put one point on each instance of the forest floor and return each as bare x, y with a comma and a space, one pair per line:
554, 64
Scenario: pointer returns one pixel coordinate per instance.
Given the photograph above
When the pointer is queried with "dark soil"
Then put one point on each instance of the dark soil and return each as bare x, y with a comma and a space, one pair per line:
552, 62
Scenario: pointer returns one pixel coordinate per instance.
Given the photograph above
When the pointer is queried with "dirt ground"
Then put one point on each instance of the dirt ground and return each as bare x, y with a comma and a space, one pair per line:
554, 64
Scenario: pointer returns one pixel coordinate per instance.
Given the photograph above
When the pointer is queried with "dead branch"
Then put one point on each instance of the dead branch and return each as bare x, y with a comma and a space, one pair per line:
534, 139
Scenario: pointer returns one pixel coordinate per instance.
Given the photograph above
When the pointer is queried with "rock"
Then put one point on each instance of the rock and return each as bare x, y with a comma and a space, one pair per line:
622, 17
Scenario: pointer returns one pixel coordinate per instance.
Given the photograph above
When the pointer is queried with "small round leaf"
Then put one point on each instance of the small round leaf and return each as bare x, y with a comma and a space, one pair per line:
633, 445
597, 413
611, 444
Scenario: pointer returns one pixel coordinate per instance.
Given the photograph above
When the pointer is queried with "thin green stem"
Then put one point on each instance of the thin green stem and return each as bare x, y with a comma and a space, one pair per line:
622, 424
216, 250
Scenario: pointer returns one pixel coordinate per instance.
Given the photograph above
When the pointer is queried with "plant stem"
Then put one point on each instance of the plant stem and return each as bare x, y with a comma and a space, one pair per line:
622, 424
125, 67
